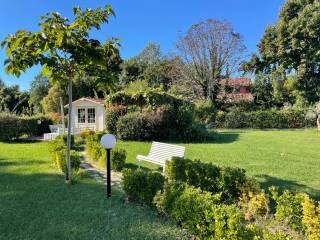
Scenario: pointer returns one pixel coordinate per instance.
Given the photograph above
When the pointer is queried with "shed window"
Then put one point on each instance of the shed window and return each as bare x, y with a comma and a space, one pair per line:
81, 115
91, 115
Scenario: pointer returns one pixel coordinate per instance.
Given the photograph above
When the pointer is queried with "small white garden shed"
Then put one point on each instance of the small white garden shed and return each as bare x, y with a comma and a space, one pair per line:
88, 113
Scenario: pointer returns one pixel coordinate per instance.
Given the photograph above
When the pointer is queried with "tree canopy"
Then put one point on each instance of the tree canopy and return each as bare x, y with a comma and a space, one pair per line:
293, 44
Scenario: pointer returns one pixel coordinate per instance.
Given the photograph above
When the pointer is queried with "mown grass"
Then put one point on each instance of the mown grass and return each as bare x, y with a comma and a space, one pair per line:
35, 203
285, 158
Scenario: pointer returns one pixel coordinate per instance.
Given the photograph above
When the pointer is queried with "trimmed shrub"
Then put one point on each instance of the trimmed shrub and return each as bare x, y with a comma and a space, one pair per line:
57, 151
230, 182
56, 146
35, 126
118, 158
141, 186
285, 118
85, 133
64, 137
74, 161
9, 126
202, 213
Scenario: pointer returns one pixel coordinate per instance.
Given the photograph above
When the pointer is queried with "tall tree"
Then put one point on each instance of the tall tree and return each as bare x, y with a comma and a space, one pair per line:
38, 90
210, 51
293, 45
64, 49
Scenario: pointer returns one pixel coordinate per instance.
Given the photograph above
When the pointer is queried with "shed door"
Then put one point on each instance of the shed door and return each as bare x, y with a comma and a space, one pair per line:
86, 118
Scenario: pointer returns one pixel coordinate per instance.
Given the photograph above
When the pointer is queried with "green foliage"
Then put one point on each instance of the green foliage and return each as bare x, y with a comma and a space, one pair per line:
86, 133
65, 137
165, 200
161, 117
118, 158
283, 46
285, 118
311, 218
277, 235
131, 126
51, 102
230, 182
204, 111
38, 90
13, 100
112, 115
74, 161
9, 126
13, 126
35, 125
141, 186
202, 213
94, 149
289, 208
254, 205
57, 151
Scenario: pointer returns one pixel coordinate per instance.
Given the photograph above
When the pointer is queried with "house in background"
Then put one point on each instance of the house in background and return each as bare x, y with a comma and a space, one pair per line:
235, 90
88, 113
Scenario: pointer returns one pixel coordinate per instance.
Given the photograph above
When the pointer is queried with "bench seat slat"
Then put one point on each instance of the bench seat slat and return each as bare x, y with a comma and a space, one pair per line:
161, 152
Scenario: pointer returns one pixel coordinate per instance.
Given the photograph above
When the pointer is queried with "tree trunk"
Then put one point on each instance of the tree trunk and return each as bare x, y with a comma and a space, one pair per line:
68, 165
318, 122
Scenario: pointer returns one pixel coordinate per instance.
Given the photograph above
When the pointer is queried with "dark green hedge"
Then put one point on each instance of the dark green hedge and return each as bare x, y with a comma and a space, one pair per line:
288, 118
13, 126
230, 182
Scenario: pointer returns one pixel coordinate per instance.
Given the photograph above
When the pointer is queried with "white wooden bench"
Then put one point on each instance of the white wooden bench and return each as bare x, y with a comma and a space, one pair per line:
161, 152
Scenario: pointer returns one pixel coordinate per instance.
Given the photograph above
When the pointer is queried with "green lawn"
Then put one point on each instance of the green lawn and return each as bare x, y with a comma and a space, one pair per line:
35, 203
286, 158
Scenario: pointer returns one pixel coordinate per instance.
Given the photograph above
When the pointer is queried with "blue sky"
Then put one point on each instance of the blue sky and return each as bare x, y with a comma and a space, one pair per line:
141, 21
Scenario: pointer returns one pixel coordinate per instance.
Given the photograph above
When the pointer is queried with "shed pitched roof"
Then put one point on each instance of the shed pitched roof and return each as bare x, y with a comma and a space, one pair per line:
99, 101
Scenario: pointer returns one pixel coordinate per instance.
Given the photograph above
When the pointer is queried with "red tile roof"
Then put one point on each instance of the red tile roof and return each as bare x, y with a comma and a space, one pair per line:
236, 81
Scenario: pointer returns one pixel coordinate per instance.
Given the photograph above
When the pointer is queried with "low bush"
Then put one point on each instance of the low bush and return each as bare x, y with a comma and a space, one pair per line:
74, 161
202, 213
57, 151
86, 133
96, 153
254, 206
288, 208
142, 186
64, 137
118, 159
311, 218
230, 182
56, 146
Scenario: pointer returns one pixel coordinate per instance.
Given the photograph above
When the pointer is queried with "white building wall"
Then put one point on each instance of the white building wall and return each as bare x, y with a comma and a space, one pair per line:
100, 113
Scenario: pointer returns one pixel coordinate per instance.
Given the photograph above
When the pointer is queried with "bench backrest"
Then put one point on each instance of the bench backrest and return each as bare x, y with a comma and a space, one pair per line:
164, 151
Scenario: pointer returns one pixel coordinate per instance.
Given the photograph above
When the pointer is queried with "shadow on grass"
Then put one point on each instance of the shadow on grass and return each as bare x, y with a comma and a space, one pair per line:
42, 206
136, 166
268, 181
7, 163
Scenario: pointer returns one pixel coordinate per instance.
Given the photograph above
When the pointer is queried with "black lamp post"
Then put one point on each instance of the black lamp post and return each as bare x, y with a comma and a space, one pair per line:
108, 141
